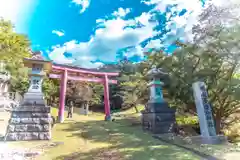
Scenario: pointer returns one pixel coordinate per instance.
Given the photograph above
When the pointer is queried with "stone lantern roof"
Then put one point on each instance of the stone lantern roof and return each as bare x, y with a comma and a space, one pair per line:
156, 73
37, 58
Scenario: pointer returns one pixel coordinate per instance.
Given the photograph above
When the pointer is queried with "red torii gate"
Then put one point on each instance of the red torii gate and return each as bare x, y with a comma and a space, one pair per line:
63, 74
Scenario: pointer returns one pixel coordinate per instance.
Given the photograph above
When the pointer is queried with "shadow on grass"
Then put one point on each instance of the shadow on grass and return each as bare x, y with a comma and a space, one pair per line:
124, 142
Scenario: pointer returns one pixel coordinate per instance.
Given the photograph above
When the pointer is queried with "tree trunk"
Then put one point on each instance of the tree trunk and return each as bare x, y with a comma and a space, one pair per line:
136, 109
218, 122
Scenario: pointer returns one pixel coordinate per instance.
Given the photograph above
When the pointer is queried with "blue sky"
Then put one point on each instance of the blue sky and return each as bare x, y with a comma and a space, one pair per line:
89, 33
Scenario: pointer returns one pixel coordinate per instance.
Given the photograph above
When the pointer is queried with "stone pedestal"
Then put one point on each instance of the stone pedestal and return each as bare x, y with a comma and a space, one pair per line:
31, 120
30, 123
159, 118
84, 109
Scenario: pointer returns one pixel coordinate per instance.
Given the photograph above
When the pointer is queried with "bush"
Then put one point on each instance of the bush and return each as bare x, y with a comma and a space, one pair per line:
233, 133
187, 120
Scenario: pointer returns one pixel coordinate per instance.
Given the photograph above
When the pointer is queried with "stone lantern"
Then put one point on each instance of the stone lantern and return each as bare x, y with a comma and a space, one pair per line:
158, 117
155, 75
39, 68
31, 120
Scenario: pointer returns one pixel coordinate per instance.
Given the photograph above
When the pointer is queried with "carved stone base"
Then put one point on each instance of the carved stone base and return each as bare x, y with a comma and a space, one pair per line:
159, 118
26, 136
33, 98
29, 126
31, 120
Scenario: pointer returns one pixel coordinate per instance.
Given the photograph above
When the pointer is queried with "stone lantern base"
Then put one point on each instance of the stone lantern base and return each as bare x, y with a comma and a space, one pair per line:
159, 118
31, 120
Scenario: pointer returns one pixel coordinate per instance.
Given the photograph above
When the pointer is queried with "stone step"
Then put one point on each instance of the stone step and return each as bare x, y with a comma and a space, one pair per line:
30, 120
29, 128
26, 136
159, 117
159, 108
20, 114
43, 109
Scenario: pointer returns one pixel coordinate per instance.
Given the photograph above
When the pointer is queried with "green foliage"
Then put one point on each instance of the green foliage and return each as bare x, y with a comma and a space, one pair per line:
187, 120
213, 57
13, 48
50, 88
97, 90
84, 92
133, 85
217, 71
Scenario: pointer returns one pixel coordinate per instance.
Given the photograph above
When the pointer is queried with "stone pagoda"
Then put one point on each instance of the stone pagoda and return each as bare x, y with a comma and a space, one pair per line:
31, 120
158, 117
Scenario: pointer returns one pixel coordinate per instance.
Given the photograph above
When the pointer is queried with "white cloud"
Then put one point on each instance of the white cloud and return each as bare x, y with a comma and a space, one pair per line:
83, 3
186, 21
157, 43
181, 26
121, 12
16, 11
115, 34
106, 42
59, 33
135, 51
57, 55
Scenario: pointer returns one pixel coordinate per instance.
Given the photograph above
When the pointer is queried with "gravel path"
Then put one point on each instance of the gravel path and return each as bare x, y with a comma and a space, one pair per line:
8, 153
232, 156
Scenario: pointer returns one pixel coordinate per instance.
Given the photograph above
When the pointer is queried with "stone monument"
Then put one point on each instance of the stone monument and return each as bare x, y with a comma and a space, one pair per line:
158, 117
31, 120
204, 110
84, 108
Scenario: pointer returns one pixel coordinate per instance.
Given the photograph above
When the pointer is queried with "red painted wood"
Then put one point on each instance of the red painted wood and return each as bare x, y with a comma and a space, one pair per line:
63, 88
54, 67
97, 80
106, 99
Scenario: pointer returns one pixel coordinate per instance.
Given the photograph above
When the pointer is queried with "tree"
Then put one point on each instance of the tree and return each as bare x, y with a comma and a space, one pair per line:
213, 57
13, 48
133, 93
133, 83
84, 93
219, 34
51, 90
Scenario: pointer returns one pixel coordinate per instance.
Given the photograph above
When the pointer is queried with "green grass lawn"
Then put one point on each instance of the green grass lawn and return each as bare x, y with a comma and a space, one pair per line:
91, 138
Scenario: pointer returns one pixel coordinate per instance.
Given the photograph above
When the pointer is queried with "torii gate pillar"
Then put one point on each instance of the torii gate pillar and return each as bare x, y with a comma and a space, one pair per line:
63, 88
106, 99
